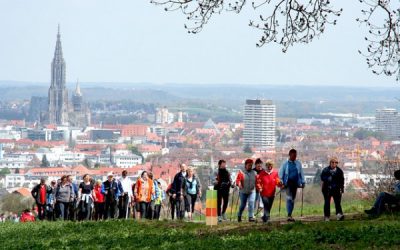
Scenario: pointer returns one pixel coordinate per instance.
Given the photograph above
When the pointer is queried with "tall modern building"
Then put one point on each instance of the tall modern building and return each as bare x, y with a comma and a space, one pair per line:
259, 124
58, 93
387, 121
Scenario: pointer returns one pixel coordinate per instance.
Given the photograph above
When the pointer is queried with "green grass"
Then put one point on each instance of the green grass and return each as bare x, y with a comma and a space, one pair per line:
352, 234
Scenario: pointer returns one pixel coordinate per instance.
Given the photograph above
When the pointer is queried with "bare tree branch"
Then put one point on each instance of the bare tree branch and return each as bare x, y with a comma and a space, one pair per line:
383, 51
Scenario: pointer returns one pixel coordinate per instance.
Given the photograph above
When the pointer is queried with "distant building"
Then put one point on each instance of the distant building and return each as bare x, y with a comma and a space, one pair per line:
387, 121
60, 110
163, 116
58, 93
38, 109
259, 124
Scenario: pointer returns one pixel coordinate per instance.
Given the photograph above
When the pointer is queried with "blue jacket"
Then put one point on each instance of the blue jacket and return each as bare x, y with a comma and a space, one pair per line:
284, 173
155, 188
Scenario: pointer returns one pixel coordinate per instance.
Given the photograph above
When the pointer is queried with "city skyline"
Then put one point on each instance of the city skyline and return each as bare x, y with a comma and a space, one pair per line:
137, 42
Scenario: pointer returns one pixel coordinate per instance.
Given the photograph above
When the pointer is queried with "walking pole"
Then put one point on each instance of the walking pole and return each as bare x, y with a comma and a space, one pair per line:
233, 194
127, 208
280, 202
302, 201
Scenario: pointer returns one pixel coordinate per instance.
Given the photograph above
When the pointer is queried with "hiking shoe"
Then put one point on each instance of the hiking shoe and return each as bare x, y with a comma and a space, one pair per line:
326, 218
340, 217
251, 219
265, 219
239, 218
224, 217
290, 219
219, 219
371, 211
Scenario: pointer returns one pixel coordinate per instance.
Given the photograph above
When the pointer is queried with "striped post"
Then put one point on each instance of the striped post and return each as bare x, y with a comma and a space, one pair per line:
211, 208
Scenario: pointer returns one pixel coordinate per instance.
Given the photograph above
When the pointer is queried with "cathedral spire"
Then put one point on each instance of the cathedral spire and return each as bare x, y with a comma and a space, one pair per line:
78, 89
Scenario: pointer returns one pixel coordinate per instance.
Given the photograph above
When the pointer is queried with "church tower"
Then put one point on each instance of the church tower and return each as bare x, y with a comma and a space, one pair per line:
58, 93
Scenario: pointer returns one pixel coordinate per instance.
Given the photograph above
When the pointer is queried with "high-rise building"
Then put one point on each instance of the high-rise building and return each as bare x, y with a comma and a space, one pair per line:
387, 121
58, 93
259, 124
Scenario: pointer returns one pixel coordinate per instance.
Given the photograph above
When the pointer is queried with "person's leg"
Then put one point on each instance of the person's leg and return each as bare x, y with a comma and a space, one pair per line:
337, 198
61, 208
290, 197
243, 200
252, 198
265, 203
106, 209
327, 204
270, 203
219, 202
193, 205
225, 197
385, 198
172, 207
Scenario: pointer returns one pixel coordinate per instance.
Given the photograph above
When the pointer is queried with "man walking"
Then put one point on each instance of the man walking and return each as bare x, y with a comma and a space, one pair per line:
39, 193
292, 177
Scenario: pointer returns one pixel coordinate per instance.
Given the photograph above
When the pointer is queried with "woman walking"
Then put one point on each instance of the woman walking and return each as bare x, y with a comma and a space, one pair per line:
223, 183
143, 192
86, 198
64, 196
332, 180
267, 181
192, 191
98, 201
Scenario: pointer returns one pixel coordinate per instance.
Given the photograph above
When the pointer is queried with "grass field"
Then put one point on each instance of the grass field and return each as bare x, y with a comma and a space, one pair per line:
350, 234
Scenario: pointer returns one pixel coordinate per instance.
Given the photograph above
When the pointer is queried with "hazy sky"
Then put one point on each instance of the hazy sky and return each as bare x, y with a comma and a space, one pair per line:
135, 41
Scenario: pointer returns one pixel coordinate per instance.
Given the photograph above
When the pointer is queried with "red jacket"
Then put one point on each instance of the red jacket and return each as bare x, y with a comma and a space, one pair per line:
27, 217
98, 196
267, 183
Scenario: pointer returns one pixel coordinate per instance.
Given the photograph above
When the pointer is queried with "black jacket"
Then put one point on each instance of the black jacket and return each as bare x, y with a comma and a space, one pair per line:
178, 184
36, 193
332, 180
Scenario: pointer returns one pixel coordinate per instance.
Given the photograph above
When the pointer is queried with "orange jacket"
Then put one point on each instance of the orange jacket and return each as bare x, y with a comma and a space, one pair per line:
138, 190
266, 183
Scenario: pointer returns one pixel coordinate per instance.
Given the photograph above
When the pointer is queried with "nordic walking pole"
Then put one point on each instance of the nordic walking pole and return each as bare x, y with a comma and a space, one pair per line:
233, 194
302, 201
280, 202
127, 208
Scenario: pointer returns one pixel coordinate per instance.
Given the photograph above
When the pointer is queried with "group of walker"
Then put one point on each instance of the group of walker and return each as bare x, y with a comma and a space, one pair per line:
257, 187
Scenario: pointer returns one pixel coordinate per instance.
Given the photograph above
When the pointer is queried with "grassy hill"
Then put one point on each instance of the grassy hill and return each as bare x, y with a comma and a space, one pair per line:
350, 234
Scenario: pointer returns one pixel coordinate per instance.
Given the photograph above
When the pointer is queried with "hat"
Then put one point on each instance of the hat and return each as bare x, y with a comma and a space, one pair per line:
110, 174
248, 161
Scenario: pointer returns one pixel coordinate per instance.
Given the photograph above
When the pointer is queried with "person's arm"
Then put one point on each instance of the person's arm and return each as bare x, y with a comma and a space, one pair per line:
34, 192
103, 189
198, 186
303, 182
341, 181
259, 183
281, 174
239, 178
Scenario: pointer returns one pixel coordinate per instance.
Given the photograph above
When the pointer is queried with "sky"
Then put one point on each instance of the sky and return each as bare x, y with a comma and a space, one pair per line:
136, 41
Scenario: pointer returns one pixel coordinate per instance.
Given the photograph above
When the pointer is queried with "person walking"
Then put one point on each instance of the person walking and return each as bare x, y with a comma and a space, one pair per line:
222, 184
98, 197
192, 191
143, 191
246, 181
40, 193
292, 177
74, 205
126, 197
171, 200
158, 202
65, 195
151, 205
177, 192
86, 198
51, 202
111, 193
267, 181
332, 182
